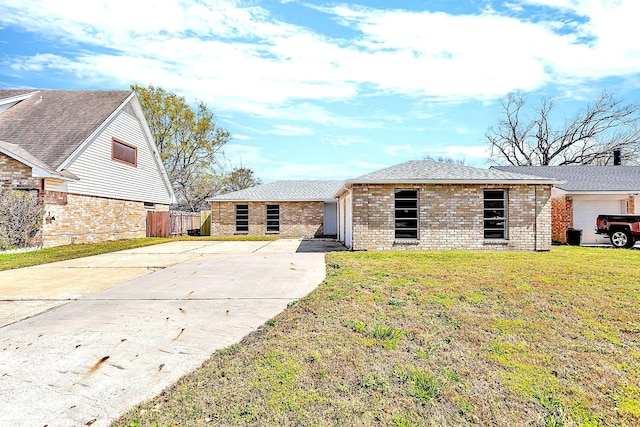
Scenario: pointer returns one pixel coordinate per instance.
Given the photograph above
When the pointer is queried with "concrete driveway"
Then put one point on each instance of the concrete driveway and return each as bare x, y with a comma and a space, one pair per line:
101, 334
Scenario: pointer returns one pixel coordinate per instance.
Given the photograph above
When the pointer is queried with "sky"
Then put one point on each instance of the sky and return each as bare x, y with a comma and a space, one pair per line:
333, 89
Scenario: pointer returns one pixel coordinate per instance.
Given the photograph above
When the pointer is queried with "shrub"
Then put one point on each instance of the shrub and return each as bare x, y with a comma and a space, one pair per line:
21, 218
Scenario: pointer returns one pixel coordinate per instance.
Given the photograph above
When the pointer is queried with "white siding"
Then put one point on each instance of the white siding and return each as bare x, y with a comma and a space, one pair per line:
56, 185
101, 176
587, 208
330, 219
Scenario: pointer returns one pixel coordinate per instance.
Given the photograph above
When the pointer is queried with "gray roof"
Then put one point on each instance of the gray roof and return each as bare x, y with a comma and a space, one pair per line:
285, 191
23, 156
586, 179
430, 171
53, 127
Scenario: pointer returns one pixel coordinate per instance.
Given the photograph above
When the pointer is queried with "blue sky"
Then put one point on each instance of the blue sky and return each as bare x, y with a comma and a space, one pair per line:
330, 90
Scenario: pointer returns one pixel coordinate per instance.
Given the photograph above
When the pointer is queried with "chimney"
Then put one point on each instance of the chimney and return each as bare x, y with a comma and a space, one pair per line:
617, 158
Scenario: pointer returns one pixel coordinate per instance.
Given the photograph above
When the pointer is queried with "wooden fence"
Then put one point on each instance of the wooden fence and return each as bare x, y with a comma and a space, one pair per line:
175, 223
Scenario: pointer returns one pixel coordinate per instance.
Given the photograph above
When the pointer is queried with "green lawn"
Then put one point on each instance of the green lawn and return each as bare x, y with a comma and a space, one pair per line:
61, 253
434, 338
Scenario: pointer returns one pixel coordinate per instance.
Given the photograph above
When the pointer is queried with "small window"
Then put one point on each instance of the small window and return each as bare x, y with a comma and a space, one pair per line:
406, 214
495, 214
123, 152
273, 218
242, 218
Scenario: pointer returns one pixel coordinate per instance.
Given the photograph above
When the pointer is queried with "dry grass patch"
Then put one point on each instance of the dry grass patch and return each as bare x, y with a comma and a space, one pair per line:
434, 338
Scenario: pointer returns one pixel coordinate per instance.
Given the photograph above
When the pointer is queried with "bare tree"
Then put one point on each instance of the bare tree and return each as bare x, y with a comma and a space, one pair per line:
589, 137
21, 218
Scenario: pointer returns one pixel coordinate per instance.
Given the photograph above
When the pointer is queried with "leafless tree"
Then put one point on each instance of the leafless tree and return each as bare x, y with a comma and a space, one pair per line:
20, 218
589, 137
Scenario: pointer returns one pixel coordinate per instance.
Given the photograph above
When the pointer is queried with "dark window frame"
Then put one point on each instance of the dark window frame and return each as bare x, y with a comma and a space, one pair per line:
273, 218
495, 216
242, 218
115, 142
406, 214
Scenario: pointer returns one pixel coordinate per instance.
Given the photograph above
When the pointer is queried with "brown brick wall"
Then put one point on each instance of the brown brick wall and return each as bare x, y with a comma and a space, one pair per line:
297, 219
88, 219
561, 218
17, 175
451, 217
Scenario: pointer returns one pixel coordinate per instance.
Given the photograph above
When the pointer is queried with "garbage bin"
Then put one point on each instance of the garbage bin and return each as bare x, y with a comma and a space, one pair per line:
574, 236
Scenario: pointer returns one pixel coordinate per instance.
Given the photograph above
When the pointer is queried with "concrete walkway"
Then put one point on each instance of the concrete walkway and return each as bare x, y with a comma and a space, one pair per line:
138, 320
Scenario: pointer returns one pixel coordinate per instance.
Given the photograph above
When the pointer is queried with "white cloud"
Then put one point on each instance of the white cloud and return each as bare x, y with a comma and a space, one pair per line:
287, 130
345, 141
237, 56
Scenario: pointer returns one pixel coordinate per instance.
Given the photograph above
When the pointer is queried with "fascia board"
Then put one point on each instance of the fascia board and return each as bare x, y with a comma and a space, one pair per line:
214, 200
152, 144
457, 181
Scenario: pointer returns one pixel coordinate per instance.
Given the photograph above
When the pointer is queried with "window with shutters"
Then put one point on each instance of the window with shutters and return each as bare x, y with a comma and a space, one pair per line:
273, 218
123, 152
406, 214
242, 218
495, 214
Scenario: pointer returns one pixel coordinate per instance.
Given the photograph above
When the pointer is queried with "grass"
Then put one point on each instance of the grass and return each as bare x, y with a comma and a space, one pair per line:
61, 253
505, 339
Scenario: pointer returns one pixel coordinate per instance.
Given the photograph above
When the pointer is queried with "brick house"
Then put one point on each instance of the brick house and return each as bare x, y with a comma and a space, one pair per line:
585, 193
424, 204
284, 208
415, 205
90, 158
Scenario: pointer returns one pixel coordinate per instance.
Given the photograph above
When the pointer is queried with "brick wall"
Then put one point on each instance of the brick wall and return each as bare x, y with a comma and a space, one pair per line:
17, 175
89, 219
561, 217
297, 219
451, 217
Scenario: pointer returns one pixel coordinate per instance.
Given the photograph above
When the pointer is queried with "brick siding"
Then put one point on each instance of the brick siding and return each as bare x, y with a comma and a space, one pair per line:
89, 219
297, 219
561, 218
451, 217
17, 175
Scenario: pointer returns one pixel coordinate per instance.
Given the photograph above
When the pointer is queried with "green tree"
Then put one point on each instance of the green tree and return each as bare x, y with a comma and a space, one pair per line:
589, 137
239, 179
189, 142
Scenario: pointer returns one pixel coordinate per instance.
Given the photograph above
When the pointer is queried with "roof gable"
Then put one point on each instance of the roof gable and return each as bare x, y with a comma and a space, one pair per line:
586, 179
430, 171
52, 124
285, 191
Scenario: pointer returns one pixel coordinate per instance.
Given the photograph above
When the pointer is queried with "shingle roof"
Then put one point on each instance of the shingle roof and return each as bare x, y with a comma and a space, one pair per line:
285, 191
51, 124
429, 171
586, 178
9, 93
23, 156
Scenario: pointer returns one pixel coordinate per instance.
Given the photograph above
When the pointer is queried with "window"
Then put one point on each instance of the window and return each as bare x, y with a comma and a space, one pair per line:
406, 214
123, 152
242, 218
495, 214
273, 218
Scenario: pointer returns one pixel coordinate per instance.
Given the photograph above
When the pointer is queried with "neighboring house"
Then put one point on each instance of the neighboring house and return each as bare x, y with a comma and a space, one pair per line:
415, 205
283, 208
587, 192
90, 158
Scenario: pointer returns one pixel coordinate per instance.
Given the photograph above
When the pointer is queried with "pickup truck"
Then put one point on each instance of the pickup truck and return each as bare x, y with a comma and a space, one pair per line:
623, 230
